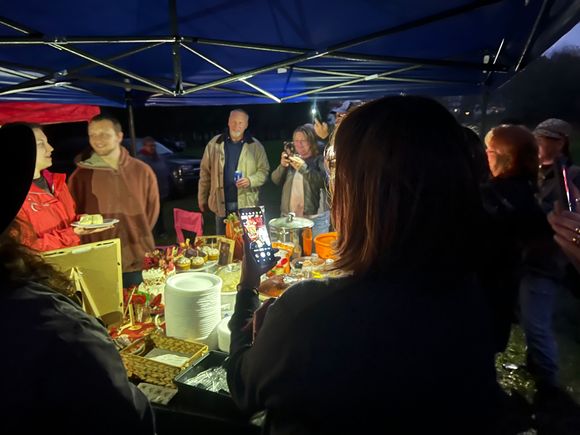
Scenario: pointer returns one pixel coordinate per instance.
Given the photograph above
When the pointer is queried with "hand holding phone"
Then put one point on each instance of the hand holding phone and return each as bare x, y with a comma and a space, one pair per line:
258, 252
290, 149
315, 115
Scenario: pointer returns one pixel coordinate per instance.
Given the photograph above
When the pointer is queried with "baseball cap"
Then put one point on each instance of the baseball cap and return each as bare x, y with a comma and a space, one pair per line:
553, 128
346, 106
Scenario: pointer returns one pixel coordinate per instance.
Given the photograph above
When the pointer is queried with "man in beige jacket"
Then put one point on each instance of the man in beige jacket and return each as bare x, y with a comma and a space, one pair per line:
232, 151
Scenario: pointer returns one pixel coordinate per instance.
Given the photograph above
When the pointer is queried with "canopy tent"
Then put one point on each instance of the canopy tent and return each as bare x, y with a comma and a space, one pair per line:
217, 52
46, 113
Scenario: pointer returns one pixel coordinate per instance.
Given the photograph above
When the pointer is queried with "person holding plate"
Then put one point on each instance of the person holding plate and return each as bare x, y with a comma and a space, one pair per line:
109, 181
49, 209
61, 368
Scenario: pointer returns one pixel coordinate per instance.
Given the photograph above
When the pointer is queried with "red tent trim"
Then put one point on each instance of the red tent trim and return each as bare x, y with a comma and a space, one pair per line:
46, 113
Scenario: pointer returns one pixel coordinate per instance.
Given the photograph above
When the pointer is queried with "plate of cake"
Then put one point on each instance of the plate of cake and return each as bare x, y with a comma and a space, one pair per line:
91, 221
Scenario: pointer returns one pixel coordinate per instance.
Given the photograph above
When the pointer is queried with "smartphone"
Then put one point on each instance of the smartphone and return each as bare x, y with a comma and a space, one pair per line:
254, 226
315, 115
289, 148
564, 185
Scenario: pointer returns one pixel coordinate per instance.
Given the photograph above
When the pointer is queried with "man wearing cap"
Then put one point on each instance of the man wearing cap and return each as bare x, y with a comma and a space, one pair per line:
553, 137
324, 130
546, 263
234, 150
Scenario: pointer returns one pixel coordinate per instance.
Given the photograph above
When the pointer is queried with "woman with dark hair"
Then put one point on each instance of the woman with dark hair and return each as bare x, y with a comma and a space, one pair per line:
61, 370
303, 178
49, 209
402, 343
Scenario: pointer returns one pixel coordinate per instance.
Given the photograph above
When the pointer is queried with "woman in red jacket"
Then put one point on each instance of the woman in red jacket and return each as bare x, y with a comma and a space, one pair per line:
49, 208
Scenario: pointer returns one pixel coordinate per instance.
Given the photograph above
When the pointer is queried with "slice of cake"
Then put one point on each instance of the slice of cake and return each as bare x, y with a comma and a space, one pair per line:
91, 219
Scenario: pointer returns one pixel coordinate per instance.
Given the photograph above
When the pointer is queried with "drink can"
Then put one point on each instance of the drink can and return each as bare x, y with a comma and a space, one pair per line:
237, 176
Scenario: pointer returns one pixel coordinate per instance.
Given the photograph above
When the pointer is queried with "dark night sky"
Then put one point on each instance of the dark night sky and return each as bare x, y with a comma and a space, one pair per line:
194, 124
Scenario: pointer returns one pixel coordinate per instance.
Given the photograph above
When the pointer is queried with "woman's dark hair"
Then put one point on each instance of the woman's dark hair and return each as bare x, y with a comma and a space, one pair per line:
517, 151
405, 193
19, 265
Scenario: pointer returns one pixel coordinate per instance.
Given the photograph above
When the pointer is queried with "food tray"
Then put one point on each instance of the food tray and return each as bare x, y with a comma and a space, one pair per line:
201, 398
156, 372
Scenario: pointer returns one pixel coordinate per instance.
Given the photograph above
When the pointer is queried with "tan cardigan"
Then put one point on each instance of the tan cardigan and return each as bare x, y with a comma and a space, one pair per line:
253, 164
129, 194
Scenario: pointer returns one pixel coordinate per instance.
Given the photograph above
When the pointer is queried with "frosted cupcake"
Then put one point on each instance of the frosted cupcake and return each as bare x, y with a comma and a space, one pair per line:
212, 254
183, 263
197, 262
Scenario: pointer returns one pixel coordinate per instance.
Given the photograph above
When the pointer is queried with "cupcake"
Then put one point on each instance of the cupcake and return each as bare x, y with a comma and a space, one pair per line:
201, 253
183, 263
197, 262
212, 254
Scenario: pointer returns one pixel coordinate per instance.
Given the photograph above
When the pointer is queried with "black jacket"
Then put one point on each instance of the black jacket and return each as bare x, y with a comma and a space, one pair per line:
398, 354
61, 371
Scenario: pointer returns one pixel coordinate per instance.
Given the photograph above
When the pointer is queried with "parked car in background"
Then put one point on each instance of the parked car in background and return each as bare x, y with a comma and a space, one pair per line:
184, 170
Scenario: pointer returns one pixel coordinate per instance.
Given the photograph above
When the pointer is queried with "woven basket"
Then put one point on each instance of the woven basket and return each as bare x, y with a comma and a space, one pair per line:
156, 372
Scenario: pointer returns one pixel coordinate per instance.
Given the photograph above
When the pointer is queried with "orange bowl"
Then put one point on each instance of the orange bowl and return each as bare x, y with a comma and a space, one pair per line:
324, 244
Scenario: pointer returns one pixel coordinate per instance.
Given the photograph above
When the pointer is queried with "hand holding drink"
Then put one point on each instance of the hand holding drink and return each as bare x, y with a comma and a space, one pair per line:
240, 180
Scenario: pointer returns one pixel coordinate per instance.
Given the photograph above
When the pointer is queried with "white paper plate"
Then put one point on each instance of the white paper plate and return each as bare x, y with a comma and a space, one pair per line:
106, 223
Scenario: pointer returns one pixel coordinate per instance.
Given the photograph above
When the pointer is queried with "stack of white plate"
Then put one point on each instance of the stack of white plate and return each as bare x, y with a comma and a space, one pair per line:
193, 307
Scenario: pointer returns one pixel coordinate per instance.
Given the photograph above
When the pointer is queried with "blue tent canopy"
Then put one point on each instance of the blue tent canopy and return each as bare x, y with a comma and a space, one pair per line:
208, 52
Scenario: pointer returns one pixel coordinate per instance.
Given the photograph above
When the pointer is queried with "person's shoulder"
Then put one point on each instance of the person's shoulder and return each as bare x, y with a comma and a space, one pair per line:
137, 164
218, 138
312, 291
256, 142
52, 310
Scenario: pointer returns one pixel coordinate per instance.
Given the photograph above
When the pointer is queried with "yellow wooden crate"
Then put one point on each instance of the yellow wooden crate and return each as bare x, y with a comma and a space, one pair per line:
156, 372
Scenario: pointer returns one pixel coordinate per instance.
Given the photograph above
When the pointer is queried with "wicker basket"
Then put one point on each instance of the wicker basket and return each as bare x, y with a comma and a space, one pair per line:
156, 372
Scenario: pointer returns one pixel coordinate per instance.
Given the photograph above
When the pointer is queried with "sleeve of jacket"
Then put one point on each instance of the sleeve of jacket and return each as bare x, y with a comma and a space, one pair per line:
204, 176
279, 175
262, 166
55, 239
153, 205
261, 372
314, 175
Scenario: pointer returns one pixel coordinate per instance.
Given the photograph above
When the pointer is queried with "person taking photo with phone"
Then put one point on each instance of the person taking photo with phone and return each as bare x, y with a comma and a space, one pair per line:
303, 178
376, 349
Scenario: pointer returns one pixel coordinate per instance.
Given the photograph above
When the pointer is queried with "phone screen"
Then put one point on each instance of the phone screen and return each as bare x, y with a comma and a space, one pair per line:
566, 195
254, 227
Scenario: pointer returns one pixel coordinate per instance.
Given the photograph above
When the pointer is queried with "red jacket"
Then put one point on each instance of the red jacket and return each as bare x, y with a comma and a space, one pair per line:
49, 215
